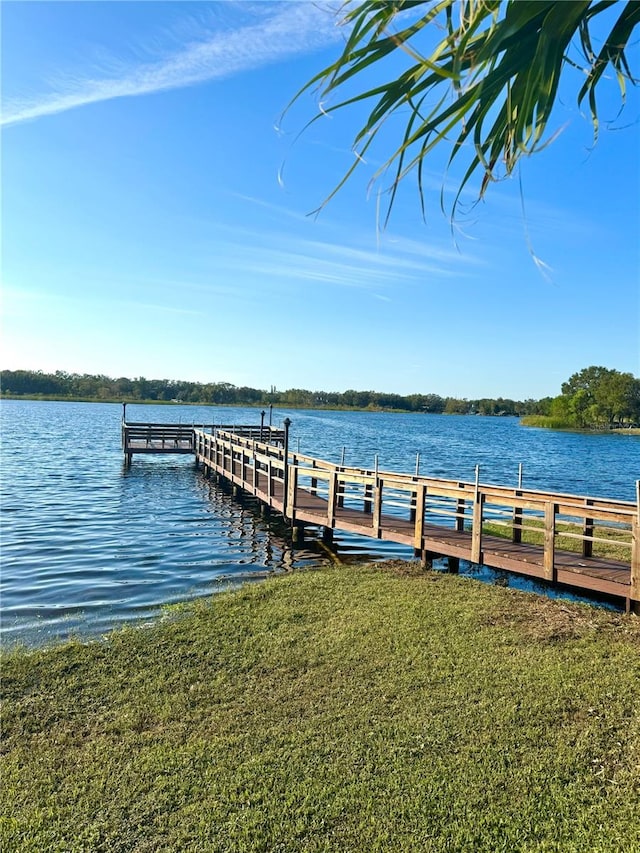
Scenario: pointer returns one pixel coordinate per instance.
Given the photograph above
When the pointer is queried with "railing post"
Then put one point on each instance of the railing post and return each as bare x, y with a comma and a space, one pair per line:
418, 530
368, 494
634, 590
377, 505
255, 468
549, 540
285, 485
587, 534
293, 491
331, 502
340, 491
460, 508
369, 488
476, 530
516, 530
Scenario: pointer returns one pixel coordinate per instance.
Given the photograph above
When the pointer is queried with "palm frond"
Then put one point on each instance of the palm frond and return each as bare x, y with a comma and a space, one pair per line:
493, 76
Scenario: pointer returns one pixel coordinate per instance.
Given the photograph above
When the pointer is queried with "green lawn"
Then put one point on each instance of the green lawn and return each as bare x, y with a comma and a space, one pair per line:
343, 709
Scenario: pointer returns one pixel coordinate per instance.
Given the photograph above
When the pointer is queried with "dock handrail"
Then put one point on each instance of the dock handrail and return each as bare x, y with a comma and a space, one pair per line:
558, 537
408, 507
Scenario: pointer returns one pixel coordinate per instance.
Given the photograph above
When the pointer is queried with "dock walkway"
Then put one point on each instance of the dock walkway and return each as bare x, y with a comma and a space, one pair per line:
558, 538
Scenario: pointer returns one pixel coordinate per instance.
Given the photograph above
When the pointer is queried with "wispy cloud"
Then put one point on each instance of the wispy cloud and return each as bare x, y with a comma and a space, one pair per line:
281, 31
272, 258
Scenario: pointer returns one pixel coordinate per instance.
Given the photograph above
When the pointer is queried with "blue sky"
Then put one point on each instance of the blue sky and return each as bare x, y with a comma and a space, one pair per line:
155, 219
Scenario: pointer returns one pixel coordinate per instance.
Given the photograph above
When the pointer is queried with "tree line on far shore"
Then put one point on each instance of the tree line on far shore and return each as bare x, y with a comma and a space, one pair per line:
596, 396
593, 398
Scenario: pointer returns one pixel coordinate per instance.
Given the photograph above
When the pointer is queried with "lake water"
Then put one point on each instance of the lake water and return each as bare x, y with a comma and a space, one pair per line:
88, 544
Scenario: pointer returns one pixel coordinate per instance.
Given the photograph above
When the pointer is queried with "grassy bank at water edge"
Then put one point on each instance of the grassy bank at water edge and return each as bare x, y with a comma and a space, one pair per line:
375, 708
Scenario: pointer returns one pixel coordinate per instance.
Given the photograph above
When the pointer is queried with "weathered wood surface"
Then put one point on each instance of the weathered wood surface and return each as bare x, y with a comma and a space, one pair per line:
437, 516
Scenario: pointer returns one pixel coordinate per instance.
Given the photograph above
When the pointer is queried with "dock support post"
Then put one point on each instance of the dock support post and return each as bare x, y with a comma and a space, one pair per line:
297, 534
549, 541
417, 512
634, 590
453, 564
427, 558
327, 535
285, 485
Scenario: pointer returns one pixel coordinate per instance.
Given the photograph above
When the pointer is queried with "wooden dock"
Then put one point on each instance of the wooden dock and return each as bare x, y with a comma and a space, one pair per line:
138, 437
556, 538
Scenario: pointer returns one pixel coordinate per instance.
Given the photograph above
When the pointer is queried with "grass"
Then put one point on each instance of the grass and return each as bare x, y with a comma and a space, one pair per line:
547, 421
342, 709
554, 422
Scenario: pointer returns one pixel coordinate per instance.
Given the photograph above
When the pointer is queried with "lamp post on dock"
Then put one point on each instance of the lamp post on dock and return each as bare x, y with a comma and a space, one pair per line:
262, 414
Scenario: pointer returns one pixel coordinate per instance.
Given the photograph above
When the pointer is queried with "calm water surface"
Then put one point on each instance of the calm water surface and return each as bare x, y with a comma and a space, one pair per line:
88, 544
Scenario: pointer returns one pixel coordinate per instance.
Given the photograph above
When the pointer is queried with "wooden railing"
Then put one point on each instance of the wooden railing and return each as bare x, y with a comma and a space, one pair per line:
245, 460
420, 511
145, 437
153, 437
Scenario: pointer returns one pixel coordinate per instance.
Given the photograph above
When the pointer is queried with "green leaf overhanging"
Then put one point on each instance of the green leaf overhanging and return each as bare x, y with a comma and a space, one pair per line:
493, 76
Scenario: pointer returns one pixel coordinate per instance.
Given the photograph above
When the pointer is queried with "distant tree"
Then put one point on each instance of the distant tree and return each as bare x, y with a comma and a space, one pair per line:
598, 396
454, 406
487, 88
